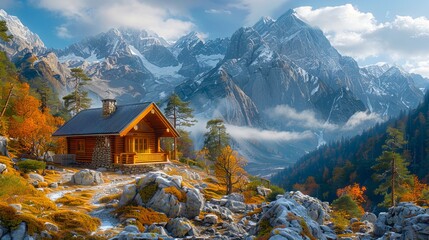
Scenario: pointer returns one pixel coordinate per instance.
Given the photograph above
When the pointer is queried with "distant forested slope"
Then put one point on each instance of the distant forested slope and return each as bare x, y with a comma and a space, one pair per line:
345, 162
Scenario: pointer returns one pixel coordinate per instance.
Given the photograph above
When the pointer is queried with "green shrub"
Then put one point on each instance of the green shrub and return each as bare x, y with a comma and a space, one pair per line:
276, 190
13, 185
345, 203
31, 165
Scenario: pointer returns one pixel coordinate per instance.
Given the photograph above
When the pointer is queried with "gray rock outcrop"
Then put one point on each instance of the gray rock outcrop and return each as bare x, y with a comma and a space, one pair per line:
164, 193
180, 227
87, 177
405, 220
290, 219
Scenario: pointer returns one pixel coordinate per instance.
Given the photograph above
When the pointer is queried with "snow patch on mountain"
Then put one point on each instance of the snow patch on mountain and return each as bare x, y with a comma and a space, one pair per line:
159, 72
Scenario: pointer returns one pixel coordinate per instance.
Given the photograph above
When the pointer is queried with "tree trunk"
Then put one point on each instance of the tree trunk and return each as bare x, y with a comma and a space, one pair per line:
7, 101
393, 182
175, 139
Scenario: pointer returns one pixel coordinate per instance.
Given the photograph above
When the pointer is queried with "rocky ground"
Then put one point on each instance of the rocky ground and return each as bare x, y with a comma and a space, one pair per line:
183, 202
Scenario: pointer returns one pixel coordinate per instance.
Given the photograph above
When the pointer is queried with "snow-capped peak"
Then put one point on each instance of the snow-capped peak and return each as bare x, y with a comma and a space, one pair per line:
20, 32
190, 40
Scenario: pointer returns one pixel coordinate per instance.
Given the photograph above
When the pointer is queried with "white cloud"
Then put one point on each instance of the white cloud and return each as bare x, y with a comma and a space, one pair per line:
99, 15
361, 118
306, 118
218, 11
63, 32
258, 8
360, 35
248, 133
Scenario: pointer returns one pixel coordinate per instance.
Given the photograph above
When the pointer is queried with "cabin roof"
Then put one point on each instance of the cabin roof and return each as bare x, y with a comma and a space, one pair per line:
91, 121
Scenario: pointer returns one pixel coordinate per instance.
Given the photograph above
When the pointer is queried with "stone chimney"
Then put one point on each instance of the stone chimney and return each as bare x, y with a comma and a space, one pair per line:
109, 107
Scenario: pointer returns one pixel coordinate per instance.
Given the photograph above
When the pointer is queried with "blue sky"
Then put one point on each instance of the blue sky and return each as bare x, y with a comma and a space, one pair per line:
371, 31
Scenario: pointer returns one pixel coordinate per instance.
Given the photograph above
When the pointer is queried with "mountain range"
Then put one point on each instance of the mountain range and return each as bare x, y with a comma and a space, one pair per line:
280, 75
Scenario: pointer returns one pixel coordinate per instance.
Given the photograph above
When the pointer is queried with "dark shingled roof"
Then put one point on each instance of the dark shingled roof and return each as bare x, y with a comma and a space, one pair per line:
92, 122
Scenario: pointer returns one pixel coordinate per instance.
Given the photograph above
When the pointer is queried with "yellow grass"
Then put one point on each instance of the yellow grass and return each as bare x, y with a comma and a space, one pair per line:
143, 216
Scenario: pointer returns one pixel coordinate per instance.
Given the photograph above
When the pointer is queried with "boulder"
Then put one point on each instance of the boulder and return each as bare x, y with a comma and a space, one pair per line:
370, 217
20, 232
180, 227
263, 191
224, 212
87, 177
164, 193
316, 209
210, 219
53, 185
36, 177
290, 217
3, 168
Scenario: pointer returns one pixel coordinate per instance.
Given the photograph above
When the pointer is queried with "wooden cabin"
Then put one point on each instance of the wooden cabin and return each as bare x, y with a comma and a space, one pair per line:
123, 134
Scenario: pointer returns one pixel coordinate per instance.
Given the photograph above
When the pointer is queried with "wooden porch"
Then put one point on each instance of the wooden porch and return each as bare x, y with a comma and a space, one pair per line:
140, 158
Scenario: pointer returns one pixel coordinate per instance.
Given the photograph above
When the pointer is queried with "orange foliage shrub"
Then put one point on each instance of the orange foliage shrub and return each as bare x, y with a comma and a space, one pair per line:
355, 191
143, 216
179, 194
415, 190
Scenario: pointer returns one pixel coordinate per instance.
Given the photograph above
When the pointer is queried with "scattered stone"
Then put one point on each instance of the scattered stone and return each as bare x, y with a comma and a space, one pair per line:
102, 169
51, 227
3, 147
131, 228
87, 177
156, 229
180, 227
17, 206
53, 185
263, 191
36, 177
3, 168
45, 235
210, 219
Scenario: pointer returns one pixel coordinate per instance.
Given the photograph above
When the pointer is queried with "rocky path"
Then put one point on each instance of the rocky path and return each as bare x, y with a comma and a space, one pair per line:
113, 184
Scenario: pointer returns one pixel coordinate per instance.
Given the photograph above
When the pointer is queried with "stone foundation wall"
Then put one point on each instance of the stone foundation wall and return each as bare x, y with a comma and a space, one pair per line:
136, 169
101, 157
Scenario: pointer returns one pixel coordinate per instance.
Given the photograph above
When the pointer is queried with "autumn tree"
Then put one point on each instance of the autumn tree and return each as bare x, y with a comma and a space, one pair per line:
180, 114
391, 169
415, 190
30, 127
309, 187
78, 99
229, 168
216, 138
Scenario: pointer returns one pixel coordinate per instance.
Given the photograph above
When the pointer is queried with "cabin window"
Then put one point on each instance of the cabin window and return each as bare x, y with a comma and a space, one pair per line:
80, 146
137, 144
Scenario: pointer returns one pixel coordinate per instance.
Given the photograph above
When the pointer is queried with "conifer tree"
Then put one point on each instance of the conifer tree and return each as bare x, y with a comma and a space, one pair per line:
180, 115
391, 169
78, 99
3, 32
216, 138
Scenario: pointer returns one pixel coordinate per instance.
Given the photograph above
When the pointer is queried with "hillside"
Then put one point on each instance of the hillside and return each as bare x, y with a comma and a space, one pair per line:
350, 160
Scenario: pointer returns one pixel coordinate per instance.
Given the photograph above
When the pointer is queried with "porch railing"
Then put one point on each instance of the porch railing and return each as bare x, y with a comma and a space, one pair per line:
136, 158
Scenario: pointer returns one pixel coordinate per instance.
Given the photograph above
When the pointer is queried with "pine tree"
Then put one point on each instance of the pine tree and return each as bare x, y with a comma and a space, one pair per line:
180, 114
78, 99
216, 138
391, 169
